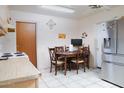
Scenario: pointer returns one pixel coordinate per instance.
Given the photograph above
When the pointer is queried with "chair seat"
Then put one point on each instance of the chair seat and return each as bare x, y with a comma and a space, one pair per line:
61, 58
79, 61
58, 62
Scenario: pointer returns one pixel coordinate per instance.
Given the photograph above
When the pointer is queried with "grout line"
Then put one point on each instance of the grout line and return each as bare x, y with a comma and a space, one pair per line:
95, 71
45, 84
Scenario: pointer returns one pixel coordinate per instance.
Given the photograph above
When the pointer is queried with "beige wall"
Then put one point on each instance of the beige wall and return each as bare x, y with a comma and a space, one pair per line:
7, 41
88, 25
3, 15
46, 37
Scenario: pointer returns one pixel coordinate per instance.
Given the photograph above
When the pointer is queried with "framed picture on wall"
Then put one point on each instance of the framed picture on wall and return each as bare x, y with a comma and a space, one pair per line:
61, 36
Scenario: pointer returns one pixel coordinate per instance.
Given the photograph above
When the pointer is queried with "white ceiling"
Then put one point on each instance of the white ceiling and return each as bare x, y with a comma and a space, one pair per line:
80, 10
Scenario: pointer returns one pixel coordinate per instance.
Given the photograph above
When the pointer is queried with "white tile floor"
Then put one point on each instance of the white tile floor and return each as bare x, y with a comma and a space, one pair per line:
88, 79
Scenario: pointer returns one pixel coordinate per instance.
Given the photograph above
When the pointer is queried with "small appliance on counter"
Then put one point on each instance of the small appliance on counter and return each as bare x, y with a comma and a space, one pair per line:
71, 48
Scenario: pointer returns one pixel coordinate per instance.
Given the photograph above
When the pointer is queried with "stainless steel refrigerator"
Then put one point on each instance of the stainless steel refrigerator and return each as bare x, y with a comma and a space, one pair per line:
113, 52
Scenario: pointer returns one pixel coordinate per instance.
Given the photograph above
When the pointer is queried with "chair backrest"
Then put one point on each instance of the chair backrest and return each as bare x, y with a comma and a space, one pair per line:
86, 48
59, 49
52, 54
86, 51
79, 53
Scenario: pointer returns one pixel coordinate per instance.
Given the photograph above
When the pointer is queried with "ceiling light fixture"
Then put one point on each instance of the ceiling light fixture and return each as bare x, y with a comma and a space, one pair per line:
58, 8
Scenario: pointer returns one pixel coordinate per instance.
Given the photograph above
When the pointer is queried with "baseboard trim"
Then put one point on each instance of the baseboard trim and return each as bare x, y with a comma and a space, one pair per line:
112, 83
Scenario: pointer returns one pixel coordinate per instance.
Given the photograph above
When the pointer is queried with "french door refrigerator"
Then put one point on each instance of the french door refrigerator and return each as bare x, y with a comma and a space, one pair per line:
113, 52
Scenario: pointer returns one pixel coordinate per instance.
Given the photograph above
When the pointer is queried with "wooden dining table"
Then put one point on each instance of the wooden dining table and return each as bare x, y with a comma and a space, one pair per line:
66, 55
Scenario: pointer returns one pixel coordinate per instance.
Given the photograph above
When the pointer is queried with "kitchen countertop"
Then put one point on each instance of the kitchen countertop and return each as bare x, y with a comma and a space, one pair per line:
17, 70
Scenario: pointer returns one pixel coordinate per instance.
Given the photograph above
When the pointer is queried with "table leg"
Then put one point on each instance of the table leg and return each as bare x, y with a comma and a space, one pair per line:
65, 64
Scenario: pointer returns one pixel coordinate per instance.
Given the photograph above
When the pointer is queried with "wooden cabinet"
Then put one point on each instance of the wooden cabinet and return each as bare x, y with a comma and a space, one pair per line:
22, 84
18, 72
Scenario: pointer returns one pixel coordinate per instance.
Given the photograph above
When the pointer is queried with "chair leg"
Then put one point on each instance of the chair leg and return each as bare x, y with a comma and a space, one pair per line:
62, 67
55, 70
84, 67
88, 63
51, 68
69, 66
77, 68
65, 66
59, 68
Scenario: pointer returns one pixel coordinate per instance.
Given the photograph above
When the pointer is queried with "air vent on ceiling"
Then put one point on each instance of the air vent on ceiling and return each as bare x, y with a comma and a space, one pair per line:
95, 6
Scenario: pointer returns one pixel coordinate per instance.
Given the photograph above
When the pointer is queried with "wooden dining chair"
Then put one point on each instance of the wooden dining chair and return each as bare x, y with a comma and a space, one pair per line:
86, 54
79, 60
59, 49
54, 60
